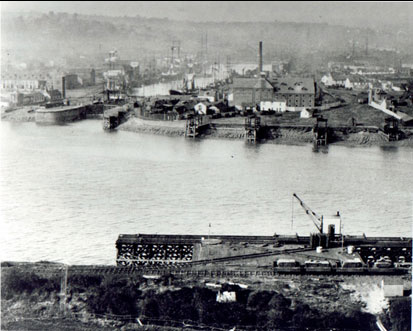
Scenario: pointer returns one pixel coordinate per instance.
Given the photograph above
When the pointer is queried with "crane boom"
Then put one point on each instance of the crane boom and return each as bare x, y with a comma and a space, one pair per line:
317, 220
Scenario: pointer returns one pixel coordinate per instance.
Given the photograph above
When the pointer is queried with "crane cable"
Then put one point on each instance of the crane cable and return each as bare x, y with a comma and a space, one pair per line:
308, 211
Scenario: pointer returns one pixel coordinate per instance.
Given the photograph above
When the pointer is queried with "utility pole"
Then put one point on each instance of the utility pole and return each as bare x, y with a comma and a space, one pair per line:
63, 291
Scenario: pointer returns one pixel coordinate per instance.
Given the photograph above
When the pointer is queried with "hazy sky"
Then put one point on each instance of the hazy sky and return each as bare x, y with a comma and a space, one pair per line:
345, 13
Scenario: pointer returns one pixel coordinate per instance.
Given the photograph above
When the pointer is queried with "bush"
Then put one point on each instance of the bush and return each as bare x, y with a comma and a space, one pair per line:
401, 314
259, 299
115, 296
84, 282
19, 282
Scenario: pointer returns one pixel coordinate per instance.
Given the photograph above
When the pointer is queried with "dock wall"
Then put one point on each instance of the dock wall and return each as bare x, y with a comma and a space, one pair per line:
64, 114
59, 115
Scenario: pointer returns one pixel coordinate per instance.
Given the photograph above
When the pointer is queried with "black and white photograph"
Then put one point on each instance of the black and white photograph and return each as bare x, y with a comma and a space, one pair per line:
206, 165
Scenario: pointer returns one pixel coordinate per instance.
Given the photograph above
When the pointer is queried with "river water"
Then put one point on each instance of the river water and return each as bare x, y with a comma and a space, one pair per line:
67, 192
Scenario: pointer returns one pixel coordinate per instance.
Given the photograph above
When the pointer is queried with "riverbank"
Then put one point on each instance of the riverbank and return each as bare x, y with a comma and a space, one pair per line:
227, 129
31, 293
232, 129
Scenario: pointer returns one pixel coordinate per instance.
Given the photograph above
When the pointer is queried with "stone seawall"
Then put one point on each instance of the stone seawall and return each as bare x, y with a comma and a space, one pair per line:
60, 115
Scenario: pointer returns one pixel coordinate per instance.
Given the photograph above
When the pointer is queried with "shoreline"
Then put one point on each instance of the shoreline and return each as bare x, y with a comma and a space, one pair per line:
220, 130
282, 136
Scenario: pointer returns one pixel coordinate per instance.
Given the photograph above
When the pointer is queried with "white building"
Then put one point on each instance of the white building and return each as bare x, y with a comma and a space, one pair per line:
333, 79
355, 82
305, 113
201, 108
279, 106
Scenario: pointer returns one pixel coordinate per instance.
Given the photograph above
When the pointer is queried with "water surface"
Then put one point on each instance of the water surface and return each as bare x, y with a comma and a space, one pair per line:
68, 191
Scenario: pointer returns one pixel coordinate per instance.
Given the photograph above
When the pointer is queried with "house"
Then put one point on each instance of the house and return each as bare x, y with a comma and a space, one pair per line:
355, 82
333, 79
201, 108
305, 113
18, 81
53, 95
278, 105
226, 296
392, 288
73, 81
26, 99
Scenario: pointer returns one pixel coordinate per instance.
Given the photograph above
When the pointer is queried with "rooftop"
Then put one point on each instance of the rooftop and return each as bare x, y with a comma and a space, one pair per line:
294, 85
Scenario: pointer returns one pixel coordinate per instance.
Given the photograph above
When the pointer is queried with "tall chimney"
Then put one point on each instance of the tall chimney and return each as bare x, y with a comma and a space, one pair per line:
260, 59
64, 87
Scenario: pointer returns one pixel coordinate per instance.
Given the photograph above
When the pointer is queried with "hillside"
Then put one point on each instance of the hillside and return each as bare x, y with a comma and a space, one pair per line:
61, 35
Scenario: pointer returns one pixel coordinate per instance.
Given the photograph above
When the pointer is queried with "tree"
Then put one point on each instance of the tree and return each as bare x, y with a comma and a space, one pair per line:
401, 314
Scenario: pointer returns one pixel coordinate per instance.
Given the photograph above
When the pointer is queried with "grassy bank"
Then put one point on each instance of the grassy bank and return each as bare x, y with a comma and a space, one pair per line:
111, 302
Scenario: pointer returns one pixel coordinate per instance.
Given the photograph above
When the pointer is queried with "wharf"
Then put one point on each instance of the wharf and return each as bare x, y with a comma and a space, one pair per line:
112, 118
146, 250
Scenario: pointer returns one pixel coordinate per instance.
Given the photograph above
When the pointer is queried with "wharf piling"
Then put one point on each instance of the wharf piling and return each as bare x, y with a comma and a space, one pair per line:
320, 131
252, 126
195, 124
112, 118
391, 129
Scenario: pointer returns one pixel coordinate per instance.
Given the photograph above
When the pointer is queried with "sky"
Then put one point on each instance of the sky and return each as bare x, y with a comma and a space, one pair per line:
360, 14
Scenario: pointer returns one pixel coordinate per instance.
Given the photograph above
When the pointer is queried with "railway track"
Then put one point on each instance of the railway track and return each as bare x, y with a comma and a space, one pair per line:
187, 271
249, 256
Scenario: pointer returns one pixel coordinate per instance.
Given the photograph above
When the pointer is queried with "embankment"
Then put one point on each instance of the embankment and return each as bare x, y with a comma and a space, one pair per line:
31, 296
273, 134
167, 128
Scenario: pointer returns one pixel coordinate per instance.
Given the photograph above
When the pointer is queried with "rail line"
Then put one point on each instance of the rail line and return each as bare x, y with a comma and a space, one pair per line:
263, 272
249, 256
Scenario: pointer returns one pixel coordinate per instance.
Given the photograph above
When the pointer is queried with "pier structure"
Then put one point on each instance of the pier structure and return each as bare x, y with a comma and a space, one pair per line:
112, 118
374, 255
320, 131
195, 124
252, 126
391, 129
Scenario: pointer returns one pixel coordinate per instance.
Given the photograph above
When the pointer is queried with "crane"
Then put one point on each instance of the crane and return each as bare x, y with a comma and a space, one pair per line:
317, 219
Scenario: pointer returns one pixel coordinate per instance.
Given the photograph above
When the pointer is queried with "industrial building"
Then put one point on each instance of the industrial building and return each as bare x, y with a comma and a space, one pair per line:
299, 93
249, 92
293, 94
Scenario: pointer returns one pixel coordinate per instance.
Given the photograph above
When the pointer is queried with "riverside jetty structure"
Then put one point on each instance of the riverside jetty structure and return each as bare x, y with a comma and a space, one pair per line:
327, 251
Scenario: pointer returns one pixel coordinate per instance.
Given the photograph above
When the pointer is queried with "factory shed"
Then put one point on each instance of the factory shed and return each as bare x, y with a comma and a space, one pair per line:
392, 289
251, 91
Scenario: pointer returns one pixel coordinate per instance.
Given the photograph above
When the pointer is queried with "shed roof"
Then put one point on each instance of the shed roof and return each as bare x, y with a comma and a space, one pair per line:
294, 85
263, 83
338, 77
244, 82
357, 79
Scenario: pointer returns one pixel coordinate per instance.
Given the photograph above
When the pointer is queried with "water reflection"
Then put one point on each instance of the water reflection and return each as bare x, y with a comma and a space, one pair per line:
320, 148
391, 149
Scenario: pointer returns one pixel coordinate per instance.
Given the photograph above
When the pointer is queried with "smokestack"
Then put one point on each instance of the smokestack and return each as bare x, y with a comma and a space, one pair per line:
260, 59
64, 87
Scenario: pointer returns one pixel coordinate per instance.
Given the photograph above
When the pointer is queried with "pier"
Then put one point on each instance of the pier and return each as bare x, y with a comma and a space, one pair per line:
195, 125
252, 126
391, 129
112, 118
320, 131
